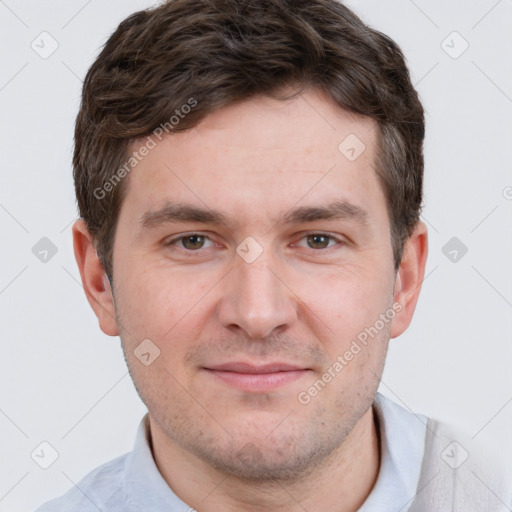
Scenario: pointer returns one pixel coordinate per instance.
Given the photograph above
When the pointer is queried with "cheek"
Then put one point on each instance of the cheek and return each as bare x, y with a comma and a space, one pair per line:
156, 297
168, 308
347, 302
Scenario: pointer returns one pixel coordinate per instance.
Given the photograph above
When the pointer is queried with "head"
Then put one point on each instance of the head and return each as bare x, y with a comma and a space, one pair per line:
249, 180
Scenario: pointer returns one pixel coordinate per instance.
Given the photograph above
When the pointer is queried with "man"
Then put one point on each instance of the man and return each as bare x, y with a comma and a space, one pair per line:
249, 178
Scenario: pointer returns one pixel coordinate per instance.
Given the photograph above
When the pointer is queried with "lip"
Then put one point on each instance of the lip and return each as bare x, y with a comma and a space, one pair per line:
249, 377
239, 367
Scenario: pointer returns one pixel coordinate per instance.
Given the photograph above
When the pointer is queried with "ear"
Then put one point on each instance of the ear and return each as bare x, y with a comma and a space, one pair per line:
94, 279
409, 278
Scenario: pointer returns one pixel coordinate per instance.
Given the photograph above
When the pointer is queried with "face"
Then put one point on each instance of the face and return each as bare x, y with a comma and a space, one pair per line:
253, 253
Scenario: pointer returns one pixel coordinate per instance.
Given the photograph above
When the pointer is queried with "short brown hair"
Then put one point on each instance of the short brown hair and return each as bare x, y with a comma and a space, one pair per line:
216, 52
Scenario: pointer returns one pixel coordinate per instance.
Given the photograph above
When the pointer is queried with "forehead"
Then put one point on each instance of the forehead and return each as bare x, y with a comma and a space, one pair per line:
261, 154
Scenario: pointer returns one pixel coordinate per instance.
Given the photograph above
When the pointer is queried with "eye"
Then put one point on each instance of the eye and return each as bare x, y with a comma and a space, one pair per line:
190, 242
320, 241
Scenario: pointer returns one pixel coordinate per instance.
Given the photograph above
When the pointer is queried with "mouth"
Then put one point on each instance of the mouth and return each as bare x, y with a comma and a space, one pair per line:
249, 377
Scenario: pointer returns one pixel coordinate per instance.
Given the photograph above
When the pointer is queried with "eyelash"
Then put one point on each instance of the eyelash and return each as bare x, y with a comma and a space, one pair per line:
176, 240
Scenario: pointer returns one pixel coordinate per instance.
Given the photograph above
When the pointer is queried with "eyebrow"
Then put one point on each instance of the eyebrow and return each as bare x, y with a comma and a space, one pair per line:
182, 212
338, 210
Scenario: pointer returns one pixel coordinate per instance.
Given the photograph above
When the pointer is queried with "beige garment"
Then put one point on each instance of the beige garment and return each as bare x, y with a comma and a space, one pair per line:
456, 476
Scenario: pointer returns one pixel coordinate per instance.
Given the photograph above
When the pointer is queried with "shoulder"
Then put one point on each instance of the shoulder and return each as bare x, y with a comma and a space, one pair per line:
459, 474
99, 489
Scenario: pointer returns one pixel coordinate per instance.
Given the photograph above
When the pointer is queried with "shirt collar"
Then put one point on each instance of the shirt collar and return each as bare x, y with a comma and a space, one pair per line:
402, 441
145, 487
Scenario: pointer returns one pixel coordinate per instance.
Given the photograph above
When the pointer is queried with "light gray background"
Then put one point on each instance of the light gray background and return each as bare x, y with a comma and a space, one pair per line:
63, 381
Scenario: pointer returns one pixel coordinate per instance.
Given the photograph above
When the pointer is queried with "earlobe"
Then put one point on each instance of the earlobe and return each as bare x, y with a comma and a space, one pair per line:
94, 280
409, 278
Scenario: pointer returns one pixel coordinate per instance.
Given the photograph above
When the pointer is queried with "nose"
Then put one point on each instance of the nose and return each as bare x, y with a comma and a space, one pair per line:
257, 300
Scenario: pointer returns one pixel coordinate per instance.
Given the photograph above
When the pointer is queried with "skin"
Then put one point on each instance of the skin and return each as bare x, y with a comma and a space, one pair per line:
302, 301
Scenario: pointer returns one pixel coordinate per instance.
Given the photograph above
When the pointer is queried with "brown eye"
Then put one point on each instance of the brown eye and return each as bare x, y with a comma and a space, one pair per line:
318, 241
193, 242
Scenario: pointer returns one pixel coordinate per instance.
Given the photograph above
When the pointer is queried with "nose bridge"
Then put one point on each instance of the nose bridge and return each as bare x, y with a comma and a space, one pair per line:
258, 282
256, 299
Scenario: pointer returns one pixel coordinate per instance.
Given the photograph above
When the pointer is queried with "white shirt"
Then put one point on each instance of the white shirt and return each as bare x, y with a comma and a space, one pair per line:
402, 436
132, 482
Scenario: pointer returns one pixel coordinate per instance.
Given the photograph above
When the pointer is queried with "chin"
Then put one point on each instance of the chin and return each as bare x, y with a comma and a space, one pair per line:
286, 459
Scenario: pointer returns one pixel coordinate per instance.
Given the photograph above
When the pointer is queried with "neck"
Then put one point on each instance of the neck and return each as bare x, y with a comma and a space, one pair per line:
340, 483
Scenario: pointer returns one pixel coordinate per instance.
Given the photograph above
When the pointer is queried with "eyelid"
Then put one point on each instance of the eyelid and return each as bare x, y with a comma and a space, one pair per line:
339, 240
175, 239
